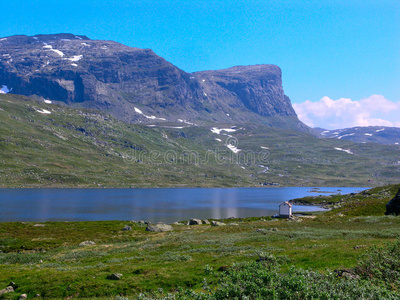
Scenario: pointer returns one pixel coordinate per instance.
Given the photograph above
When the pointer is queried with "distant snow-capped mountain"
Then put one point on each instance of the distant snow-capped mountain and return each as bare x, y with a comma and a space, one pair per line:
371, 134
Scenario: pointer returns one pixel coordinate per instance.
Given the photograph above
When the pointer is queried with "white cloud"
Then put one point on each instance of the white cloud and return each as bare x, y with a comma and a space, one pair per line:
342, 113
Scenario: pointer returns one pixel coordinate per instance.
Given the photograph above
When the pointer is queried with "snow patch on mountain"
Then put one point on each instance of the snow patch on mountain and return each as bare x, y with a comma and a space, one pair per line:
342, 136
75, 58
218, 130
186, 122
43, 111
137, 110
233, 148
50, 47
344, 150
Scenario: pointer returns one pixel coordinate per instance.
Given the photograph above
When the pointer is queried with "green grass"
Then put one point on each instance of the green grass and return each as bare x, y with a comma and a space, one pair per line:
82, 148
48, 260
371, 202
149, 261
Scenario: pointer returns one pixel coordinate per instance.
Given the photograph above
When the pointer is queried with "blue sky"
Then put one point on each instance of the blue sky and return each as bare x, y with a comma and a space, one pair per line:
339, 49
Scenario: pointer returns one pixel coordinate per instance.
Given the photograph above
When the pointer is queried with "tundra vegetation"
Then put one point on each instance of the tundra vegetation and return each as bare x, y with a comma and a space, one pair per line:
350, 252
80, 148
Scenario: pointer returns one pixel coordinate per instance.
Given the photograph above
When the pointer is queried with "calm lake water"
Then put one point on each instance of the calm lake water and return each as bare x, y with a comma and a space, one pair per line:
155, 205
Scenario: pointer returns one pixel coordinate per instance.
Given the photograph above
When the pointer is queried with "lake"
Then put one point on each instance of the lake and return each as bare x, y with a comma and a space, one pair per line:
155, 205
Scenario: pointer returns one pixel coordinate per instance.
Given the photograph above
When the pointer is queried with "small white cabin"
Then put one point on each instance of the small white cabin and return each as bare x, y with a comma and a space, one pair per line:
285, 210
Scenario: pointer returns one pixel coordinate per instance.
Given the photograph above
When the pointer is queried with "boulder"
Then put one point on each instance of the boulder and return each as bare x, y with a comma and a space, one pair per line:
23, 296
160, 227
177, 223
347, 273
126, 228
217, 223
195, 222
393, 206
206, 222
87, 243
13, 285
115, 276
8, 289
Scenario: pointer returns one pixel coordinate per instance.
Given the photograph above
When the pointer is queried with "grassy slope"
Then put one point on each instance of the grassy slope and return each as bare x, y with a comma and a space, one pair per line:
47, 259
79, 149
89, 149
368, 203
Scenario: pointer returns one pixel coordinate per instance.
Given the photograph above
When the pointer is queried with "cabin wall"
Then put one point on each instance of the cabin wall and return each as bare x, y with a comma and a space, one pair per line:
285, 210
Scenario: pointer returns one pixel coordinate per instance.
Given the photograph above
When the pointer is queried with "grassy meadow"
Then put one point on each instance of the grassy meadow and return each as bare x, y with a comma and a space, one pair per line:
252, 258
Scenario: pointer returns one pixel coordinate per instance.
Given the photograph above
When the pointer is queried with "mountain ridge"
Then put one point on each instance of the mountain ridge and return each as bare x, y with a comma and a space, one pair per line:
125, 81
363, 134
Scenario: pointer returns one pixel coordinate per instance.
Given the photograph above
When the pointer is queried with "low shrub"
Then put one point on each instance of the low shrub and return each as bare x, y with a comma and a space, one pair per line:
382, 263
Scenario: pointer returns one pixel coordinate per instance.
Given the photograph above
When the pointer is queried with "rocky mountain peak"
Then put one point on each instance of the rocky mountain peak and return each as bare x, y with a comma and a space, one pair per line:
125, 81
18, 40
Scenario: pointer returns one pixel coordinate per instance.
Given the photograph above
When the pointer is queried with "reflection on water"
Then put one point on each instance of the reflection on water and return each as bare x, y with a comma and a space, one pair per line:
153, 205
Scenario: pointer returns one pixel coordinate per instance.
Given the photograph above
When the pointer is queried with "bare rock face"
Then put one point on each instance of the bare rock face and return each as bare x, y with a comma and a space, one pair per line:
136, 85
393, 206
257, 88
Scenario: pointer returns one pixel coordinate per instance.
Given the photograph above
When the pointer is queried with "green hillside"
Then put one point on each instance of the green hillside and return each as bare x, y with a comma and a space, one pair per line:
81, 148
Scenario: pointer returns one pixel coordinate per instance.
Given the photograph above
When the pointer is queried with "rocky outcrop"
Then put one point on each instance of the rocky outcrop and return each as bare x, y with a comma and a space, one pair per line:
195, 222
136, 85
8, 289
87, 243
160, 227
257, 88
115, 276
217, 223
393, 206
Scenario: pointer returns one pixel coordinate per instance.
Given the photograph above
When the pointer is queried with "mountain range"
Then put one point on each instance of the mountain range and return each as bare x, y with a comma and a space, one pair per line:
138, 86
369, 134
83, 113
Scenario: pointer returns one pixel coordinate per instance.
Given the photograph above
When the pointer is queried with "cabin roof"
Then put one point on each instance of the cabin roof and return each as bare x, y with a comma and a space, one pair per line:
286, 203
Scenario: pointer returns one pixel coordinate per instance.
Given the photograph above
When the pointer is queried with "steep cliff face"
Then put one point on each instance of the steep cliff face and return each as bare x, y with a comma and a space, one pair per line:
257, 88
136, 85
